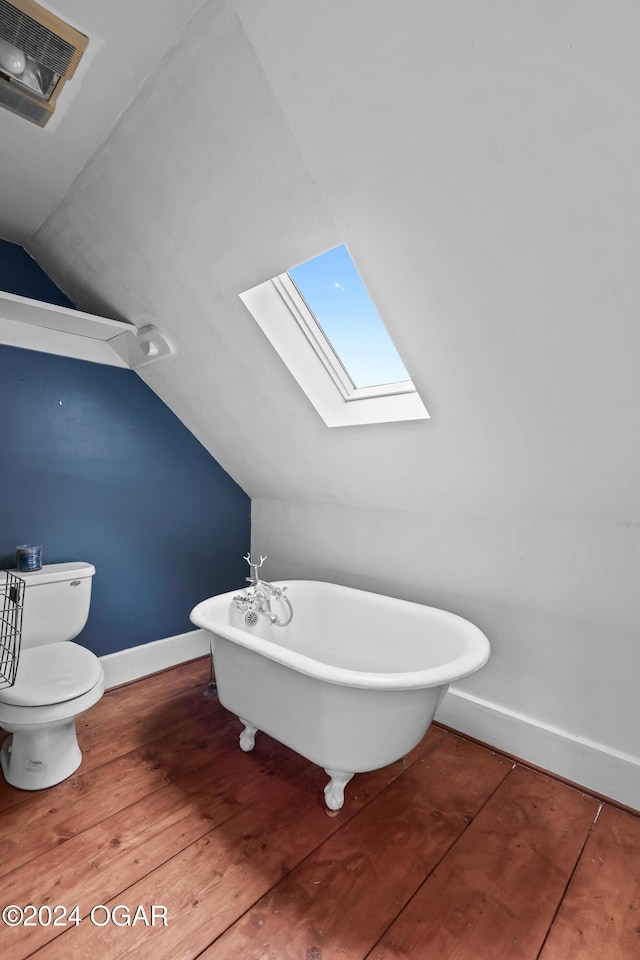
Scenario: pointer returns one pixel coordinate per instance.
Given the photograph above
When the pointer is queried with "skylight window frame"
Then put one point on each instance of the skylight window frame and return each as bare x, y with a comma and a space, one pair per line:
308, 323
285, 318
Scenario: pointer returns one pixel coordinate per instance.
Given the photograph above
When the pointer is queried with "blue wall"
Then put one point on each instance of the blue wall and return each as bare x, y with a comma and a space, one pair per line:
95, 467
20, 274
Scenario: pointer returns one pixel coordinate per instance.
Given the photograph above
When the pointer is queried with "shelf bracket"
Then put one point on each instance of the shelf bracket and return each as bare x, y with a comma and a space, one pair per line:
140, 349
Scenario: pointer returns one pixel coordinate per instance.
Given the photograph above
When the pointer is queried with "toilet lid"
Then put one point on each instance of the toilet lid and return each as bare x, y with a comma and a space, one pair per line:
51, 674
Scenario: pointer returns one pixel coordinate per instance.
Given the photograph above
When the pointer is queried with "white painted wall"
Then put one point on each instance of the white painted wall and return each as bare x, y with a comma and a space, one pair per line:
481, 162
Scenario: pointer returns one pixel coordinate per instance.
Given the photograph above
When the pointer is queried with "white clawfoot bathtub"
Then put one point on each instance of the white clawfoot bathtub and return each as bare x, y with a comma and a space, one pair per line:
352, 683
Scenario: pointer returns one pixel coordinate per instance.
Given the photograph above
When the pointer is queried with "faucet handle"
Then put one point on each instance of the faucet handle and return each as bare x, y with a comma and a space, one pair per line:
254, 567
252, 564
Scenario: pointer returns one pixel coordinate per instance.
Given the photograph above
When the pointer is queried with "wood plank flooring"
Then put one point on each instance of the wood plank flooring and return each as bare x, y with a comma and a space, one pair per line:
454, 852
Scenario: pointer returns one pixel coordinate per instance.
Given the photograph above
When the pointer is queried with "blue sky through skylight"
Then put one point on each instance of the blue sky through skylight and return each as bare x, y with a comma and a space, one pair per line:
334, 292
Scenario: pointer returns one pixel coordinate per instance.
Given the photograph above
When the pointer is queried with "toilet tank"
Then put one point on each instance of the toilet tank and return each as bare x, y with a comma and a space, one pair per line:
56, 602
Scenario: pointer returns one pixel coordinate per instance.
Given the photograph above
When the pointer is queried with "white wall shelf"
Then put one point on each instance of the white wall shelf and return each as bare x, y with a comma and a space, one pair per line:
49, 328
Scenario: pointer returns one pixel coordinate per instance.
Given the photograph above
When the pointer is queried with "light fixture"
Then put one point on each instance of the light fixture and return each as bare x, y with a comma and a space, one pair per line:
38, 53
12, 60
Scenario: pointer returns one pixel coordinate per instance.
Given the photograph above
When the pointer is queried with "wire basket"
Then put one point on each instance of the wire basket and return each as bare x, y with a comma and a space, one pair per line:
11, 606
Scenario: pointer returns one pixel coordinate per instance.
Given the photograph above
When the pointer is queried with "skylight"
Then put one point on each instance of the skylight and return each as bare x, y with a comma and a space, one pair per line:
321, 320
338, 299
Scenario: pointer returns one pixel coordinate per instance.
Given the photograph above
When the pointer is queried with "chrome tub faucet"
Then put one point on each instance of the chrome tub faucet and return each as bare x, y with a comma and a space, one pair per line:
258, 596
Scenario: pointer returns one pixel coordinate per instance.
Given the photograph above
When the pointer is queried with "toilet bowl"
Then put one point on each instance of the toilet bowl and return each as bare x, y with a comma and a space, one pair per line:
56, 680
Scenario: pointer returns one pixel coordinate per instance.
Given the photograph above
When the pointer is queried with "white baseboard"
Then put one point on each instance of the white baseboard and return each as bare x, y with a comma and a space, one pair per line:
136, 662
587, 763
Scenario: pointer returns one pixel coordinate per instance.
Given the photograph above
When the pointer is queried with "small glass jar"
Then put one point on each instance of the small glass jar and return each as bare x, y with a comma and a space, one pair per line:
28, 558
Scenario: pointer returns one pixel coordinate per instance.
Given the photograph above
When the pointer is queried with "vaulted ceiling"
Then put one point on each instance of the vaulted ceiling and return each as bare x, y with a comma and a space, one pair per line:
126, 43
479, 160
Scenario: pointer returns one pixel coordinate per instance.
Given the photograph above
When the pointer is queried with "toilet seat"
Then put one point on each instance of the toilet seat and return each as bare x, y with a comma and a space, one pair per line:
51, 674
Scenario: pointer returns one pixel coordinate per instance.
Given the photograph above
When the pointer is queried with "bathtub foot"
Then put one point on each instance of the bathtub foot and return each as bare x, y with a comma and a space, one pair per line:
334, 790
248, 736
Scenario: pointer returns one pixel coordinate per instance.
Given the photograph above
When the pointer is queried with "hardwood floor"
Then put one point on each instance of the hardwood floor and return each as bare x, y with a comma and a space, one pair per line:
453, 852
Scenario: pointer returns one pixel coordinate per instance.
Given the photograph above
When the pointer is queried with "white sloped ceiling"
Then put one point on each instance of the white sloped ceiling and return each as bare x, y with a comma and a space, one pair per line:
126, 42
479, 160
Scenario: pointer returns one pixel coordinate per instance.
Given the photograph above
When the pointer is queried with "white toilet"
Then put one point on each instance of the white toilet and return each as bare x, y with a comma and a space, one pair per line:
56, 679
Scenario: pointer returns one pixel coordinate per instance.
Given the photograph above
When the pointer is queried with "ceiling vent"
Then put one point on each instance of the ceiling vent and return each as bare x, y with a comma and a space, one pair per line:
38, 54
